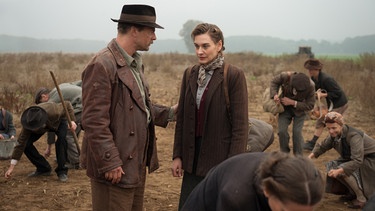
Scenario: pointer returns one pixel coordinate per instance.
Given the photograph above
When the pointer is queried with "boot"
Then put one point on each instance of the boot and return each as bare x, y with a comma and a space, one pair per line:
309, 145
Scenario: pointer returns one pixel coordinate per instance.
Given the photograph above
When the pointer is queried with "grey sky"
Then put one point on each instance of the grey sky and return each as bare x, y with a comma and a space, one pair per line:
332, 20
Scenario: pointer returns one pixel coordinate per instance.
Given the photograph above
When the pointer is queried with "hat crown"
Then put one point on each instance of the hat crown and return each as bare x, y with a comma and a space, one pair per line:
313, 64
138, 14
34, 118
138, 9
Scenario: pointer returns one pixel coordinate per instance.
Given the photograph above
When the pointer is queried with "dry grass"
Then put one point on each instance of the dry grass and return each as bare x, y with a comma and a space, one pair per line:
22, 74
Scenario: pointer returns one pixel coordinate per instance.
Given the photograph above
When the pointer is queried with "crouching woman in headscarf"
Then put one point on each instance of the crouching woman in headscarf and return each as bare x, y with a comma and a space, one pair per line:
355, 169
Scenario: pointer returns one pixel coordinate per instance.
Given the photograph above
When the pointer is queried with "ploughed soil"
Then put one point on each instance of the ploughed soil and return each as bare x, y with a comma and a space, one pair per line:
162, 190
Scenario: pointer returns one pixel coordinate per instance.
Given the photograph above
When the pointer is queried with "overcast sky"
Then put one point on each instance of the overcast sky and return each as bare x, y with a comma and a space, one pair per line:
332, 20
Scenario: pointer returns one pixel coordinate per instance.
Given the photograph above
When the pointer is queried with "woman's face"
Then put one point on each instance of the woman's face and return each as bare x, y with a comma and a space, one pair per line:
277, 205
205, 48
334, 129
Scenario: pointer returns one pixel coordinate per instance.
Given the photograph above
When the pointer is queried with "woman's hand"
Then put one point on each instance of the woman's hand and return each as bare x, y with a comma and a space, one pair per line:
177, 167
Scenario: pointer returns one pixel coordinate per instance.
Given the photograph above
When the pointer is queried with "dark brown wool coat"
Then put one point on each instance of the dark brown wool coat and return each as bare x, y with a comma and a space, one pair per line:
221, 139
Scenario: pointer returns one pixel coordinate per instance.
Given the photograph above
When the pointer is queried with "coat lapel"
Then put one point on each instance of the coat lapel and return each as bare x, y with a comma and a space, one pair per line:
193, 82
214, 84
127, 77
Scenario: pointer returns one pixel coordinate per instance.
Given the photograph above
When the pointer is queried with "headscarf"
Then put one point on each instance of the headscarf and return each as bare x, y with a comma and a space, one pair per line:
334, 117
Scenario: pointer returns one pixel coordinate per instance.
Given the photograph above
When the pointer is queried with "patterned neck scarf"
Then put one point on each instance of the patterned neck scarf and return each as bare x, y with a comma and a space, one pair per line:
216, 63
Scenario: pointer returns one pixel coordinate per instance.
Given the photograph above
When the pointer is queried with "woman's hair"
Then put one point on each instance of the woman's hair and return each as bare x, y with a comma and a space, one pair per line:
213, 31
291, 179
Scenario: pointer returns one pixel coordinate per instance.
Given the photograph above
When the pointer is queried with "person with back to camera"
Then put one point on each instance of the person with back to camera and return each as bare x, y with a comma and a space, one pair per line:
355, 167
36, 120
328, 89
7, 129
206, 132
71, 92
259, 182
298, 97
118, 116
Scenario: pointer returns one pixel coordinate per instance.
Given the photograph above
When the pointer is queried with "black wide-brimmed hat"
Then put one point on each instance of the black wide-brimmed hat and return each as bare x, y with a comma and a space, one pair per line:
138, 14
34, 118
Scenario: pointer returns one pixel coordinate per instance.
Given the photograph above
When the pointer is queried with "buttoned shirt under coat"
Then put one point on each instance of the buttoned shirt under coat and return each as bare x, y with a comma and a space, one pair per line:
221, 138
115, 122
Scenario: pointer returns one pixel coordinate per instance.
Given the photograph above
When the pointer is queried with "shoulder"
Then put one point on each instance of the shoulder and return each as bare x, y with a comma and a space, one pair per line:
234, 71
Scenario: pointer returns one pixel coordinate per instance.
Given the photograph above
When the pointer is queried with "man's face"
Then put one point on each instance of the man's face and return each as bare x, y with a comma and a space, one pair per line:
144, 38
44, 98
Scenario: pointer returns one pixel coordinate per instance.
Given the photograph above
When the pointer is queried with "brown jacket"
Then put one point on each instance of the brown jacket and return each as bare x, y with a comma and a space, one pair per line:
221, 138
361, 155
305, 99
56, 113
115, 121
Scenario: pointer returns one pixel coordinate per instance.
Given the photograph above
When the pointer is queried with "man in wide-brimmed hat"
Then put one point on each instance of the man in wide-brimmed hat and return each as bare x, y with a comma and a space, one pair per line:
118, 117
36, 120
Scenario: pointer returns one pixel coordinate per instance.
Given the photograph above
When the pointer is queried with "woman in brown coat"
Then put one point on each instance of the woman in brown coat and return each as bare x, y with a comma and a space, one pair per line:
207, 132
356, 166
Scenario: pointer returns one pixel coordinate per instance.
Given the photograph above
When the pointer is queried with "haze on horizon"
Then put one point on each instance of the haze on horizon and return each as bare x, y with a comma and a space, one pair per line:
332, 20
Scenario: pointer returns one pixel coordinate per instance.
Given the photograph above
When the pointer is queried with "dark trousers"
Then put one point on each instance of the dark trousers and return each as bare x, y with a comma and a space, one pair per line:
190, 180
39, 161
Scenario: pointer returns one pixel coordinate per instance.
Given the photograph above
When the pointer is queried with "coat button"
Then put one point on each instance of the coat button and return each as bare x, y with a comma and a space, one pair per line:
130, 157
107, 155
132, 133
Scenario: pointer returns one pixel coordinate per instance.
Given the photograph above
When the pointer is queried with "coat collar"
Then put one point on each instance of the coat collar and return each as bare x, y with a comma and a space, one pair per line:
214, 83
126, 76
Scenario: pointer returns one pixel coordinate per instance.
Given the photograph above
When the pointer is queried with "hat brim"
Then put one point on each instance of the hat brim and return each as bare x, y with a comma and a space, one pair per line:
149, 24
35, 126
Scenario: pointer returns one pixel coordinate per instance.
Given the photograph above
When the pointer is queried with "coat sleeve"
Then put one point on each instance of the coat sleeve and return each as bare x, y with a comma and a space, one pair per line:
238, 96
11, 128
177, 145
161, 115
96, 99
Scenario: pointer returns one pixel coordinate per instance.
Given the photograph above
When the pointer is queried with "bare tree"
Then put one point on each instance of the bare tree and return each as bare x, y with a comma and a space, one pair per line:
185, 33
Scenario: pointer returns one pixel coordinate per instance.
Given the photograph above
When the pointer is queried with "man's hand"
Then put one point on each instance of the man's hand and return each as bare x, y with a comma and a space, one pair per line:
336, 172
114, 175
8, 173
73, 126
1, 136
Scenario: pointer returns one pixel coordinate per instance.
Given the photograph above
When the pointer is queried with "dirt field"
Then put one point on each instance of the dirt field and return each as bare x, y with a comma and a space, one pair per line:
162, 190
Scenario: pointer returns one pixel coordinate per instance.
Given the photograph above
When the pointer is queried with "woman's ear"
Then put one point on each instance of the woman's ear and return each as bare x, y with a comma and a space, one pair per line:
266, 193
